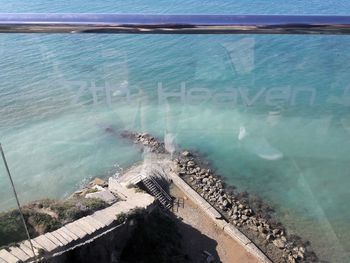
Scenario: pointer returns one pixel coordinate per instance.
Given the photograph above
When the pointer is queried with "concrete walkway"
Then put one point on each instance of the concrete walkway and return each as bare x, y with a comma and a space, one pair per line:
79, 230
166, 167
216, 217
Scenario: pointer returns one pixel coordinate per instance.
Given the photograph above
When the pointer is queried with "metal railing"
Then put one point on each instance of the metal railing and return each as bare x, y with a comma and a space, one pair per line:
173, 24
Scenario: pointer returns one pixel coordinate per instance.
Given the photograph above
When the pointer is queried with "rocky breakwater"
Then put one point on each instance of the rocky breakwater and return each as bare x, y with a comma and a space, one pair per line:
151, 143
249, 214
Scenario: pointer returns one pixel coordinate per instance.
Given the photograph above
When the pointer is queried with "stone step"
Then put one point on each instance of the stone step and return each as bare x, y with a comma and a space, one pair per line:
156, 192
36, 244
100, 219
63, 234
94, 222
163, 203
121, 207
104, 217
75, 230
83, 226
8, 257
154, 189
166, 199
36, 247
54, 240
19, 253
26, 249
46, 243
60, 238
88, 224
69, 233
110, 215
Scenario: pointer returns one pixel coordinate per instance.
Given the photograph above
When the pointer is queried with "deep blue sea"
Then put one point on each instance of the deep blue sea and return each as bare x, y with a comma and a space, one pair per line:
270, 111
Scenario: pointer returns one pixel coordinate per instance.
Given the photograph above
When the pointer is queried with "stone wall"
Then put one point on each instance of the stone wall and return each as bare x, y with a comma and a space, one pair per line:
103, 249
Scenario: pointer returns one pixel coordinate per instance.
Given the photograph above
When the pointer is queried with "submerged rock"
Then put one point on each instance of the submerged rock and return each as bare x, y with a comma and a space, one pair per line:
190, 164
186, 153
99, 182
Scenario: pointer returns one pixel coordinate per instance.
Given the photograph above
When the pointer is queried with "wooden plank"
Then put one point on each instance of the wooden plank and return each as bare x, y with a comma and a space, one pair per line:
26, 249
76, 230
8, 257
19, 253
35, 247
60, 238
36, 244
64, 235
94, 222
54, 240
84, 222
100, 218
70, 233
46, 243
83, 227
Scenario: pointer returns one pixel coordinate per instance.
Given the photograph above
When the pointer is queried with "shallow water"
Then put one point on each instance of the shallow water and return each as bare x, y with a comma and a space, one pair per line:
270, 112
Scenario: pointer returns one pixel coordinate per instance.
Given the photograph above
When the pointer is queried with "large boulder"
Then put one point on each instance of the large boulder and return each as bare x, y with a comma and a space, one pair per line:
104, 195
279, 243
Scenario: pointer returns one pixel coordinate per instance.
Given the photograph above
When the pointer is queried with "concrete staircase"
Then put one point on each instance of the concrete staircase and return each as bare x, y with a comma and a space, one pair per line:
157, 191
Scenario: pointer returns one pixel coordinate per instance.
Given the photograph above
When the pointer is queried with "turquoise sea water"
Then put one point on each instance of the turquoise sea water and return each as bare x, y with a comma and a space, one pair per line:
271, 112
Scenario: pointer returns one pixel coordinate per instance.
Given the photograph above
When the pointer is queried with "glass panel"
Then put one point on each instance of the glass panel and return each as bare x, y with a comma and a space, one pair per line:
269, 112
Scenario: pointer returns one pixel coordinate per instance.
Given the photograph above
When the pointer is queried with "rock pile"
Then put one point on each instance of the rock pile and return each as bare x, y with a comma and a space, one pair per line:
146, 140
236, 208
240, 212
